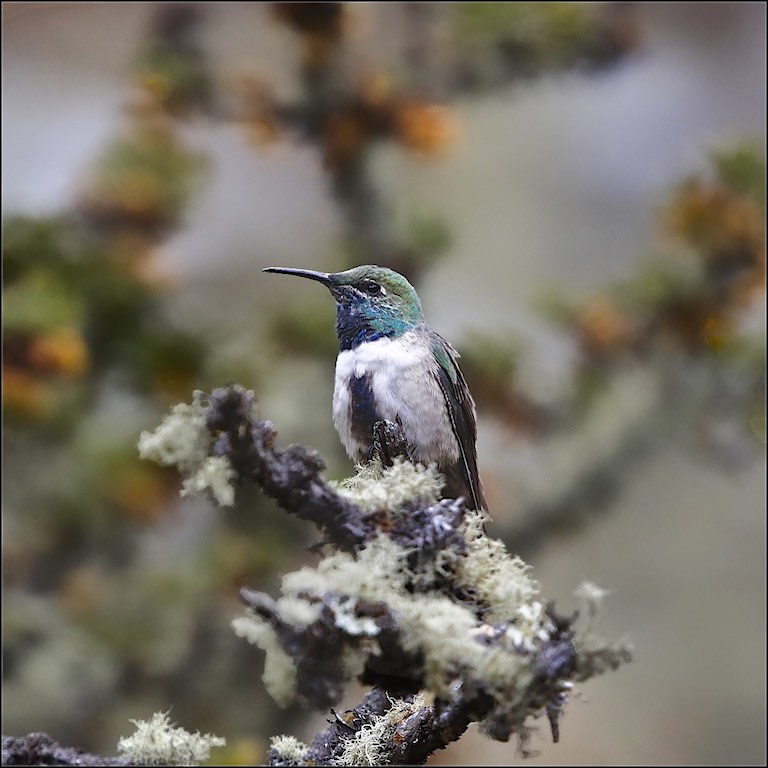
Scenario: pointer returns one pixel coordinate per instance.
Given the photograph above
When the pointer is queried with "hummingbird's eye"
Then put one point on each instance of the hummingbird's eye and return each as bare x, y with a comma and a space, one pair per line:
372, 288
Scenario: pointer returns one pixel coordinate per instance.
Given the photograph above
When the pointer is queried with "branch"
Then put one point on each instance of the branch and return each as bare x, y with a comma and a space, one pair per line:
40, 749
291, 476
412, 731
382, 730
416, 598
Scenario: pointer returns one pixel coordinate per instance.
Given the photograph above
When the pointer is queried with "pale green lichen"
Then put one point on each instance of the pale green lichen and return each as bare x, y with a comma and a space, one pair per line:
441, 630
183, 440
279, 671
368, 746
290, 749
158, 742
377, 572
450, 638
346, 620
375, 488
501, 582
297, 612
445, 633
215, 474
596, 653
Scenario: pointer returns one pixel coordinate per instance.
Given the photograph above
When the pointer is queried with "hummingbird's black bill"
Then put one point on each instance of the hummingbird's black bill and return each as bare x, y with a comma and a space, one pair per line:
321, 277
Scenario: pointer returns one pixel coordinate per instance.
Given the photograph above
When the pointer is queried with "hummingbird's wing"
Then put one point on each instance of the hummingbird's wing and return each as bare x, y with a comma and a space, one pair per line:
463, 479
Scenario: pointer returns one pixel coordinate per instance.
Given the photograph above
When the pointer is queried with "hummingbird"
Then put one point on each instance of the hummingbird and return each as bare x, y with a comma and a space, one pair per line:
392, 366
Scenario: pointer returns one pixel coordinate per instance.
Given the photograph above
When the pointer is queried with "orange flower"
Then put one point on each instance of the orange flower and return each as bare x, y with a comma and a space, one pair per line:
717, 221
25, 394
63, 351
715, 331
427, 128
602, 325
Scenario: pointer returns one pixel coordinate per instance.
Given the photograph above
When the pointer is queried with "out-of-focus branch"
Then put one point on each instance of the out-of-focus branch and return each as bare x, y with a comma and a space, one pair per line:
666, 353
345, 114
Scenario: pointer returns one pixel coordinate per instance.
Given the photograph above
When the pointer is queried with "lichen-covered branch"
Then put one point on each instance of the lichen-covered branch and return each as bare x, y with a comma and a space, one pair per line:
40, 749
156, 741
219, 441
381, 730
416, 600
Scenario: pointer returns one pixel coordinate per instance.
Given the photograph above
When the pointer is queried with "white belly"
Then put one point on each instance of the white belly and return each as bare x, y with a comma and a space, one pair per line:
402, 374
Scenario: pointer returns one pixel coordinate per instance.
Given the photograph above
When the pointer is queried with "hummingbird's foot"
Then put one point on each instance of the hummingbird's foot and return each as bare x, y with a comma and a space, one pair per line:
388, 442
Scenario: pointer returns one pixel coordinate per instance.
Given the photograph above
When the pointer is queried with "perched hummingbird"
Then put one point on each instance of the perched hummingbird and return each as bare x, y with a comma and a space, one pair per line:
393, 366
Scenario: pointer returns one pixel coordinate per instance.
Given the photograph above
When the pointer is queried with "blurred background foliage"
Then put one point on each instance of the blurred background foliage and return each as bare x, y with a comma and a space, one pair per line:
117, 596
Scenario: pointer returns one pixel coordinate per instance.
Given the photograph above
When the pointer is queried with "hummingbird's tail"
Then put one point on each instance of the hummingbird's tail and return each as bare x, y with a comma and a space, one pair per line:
460, 483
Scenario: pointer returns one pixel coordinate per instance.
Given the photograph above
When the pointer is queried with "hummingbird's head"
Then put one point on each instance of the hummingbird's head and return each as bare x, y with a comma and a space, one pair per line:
372, 302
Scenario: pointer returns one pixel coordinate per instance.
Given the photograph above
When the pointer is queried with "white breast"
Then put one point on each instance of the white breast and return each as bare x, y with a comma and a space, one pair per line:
403, 381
